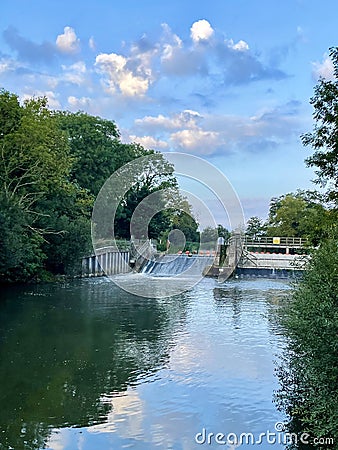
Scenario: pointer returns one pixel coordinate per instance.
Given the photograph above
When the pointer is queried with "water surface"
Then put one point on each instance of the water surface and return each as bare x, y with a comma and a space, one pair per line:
85, 365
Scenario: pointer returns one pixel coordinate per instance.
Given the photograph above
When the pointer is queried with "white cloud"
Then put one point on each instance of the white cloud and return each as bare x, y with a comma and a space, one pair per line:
7, 65
68, 42
178, 58
50, 81
79, 102
91, 43
223, 134
241, 46
201, 31
75, 73
324, 69
131, 83
221, 60
160, 120
196, 141
184, 119
171, 44
149, 142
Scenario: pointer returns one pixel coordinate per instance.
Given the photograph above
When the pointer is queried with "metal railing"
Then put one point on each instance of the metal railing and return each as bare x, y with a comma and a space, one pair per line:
275, 241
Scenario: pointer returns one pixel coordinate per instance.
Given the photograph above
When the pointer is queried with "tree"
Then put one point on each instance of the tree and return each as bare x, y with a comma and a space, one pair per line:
52, 166
36, 192
21, 256
255, 227
324, 138
152, 180
285, 215
298, 214
98, 153
34, 163
95, 146
309, 373
223, 232
210, 234
187, 224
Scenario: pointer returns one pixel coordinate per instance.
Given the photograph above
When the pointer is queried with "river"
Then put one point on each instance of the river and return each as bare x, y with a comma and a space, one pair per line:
85, 365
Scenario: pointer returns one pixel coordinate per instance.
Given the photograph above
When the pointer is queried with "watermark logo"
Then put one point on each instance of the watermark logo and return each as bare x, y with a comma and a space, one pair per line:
279, 435
203, 192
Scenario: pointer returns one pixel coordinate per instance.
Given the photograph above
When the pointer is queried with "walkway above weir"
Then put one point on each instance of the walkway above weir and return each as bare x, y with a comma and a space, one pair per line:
261, 256
277, 244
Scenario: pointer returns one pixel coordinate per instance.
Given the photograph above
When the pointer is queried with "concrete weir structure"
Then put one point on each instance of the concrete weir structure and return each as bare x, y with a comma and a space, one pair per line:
271, 265
112, 260
268, 257
107, 261
275, 257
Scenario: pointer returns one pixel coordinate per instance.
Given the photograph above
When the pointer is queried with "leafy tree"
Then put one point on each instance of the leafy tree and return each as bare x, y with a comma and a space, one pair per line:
34, 163
210, 234
298, 215
154, 181
95, 146
21, 257
309, 374
285, 215
35, 167
255, 227
98, 153
181, 218
223, 232
185, 222
324, 138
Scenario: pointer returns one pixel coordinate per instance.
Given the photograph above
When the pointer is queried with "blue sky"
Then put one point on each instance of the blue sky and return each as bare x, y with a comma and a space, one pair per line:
228, 81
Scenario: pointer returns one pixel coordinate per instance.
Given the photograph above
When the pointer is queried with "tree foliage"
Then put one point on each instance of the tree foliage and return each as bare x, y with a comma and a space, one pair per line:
299, 214
309, 375
95, 146
309, 369
35, 189
324, 137
255, 227
210, 234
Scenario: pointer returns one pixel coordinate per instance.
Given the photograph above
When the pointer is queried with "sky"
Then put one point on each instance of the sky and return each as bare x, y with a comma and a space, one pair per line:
228, 81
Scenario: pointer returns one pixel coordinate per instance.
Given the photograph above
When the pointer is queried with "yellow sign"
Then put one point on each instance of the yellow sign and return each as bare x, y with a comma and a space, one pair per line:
276, 240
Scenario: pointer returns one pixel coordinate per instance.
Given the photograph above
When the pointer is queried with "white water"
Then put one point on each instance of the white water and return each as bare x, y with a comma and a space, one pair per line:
178, 266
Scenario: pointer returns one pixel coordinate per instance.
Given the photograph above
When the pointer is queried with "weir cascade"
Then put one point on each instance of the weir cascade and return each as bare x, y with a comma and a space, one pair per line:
178, 266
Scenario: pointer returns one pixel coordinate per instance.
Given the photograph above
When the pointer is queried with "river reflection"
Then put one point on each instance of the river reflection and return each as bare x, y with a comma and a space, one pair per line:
88, 366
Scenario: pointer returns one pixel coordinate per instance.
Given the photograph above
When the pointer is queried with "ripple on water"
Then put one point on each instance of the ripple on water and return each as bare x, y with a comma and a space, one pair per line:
140, 372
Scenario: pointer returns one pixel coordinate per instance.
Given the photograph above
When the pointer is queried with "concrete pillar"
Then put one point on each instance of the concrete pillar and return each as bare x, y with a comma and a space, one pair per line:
97, 266
92, 265
104, 263
114, 263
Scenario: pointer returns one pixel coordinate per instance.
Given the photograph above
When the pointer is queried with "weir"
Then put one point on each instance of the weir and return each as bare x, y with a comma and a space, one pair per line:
178, 265
107, 261
242, 257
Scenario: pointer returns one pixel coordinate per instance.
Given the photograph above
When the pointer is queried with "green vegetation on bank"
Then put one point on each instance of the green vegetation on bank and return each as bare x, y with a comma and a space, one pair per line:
309, 371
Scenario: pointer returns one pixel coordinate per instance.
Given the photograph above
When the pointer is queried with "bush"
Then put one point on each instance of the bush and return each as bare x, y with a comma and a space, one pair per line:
309, 372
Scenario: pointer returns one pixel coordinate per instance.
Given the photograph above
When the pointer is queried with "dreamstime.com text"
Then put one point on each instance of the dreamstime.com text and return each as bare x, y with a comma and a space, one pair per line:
278, 436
